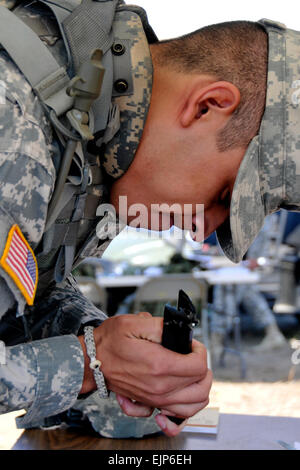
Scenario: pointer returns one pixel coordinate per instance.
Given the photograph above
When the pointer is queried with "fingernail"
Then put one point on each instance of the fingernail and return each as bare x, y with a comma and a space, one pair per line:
161, 421
120, 400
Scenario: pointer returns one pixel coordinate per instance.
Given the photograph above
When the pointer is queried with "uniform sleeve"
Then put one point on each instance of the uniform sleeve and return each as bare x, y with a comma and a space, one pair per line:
51, 368
44, 376
27, 173
65, 310
70, 294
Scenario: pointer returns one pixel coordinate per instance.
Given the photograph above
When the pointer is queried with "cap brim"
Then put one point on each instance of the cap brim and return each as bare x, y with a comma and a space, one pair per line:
247, 211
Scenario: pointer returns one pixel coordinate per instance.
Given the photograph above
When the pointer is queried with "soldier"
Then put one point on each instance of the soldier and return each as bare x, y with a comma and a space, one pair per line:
210, 135
47, 367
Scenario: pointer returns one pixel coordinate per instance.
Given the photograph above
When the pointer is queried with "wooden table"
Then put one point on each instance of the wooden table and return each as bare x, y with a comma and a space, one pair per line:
236, 432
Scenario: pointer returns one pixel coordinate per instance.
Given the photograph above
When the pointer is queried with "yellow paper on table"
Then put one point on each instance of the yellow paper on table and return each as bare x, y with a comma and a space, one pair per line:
205, 421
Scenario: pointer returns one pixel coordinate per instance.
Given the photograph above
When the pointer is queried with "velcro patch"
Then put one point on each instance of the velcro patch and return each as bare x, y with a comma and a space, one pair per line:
19, 261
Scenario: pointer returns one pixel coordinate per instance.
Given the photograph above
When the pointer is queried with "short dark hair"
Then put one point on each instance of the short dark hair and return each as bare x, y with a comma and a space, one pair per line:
234, 51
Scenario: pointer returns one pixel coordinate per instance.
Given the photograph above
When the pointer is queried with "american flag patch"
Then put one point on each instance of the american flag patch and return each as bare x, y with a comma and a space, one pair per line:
19, 262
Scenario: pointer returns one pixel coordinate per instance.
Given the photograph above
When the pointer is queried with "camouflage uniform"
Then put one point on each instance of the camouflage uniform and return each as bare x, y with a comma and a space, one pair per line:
44, 375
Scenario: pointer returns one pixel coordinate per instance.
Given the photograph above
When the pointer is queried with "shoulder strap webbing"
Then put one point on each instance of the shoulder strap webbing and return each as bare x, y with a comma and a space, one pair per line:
61, 11
47, 78
89, 27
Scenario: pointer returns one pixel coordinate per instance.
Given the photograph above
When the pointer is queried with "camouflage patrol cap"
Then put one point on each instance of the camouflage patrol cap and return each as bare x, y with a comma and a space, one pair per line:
269, 175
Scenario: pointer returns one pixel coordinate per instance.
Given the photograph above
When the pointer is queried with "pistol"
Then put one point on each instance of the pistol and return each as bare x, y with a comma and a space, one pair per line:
178, 327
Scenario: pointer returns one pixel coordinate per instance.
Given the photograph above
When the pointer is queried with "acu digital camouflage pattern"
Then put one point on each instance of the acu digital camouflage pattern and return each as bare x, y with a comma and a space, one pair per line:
269, 175
27, 173
44, 376
117, 425
120, 151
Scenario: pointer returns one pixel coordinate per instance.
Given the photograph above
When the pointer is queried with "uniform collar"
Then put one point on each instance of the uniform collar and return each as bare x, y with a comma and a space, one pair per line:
134, 106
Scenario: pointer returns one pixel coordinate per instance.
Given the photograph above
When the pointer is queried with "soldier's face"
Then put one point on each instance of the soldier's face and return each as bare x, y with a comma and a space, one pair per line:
179, 164
167, 171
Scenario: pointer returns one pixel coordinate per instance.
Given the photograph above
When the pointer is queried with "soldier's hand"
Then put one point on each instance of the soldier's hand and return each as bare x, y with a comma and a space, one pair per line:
137, 367
131, 408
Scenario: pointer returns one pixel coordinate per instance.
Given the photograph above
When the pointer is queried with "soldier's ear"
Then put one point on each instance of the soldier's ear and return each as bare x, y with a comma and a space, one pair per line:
218, 99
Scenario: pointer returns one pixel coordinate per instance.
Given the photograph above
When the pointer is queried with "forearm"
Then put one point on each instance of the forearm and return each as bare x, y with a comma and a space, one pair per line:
88, 383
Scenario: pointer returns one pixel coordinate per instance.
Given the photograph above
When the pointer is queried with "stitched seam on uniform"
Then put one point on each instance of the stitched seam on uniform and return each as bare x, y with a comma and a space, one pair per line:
284, 123
34, 411
27, 155
11, 68
7, 214
30, 118
10, 205
280, 34
42, 167
260, 135
20, 100
31, 412
26, 125
15, 100
46, 399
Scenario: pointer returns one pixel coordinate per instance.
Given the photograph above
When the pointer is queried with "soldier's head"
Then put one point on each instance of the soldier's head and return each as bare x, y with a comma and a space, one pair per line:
207, 101
234, 53
213, 135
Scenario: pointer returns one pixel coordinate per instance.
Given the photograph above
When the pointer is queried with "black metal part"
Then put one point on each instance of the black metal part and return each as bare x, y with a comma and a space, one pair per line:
178, 329
118, 48
121, 86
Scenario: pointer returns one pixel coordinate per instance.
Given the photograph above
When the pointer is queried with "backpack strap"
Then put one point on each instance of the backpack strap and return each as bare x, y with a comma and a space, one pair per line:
85, 27
61, 10
89, 27
47, 78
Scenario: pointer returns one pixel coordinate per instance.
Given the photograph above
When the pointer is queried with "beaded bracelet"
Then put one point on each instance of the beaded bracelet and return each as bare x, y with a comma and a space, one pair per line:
95, 364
